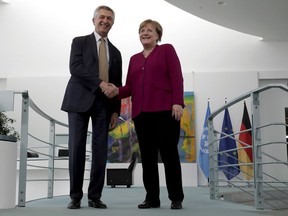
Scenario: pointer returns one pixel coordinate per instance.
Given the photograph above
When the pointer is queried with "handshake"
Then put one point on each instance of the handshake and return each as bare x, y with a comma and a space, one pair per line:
109, 89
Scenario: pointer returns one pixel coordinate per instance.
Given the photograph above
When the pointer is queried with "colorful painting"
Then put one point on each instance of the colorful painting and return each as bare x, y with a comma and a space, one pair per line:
123, 139
187, 147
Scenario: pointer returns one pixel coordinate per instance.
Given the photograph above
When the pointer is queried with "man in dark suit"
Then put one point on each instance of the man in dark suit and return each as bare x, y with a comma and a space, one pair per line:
84, 99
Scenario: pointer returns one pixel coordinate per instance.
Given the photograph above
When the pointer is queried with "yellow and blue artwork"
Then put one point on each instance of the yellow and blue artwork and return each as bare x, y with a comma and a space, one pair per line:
122, 141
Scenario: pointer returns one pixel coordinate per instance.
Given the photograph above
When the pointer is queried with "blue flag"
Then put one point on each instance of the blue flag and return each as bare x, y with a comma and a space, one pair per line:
203, 157
229, 157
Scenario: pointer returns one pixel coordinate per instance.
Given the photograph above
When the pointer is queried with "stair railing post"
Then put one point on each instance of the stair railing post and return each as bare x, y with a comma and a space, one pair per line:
51, 160
23, 150
257, 153
213, 162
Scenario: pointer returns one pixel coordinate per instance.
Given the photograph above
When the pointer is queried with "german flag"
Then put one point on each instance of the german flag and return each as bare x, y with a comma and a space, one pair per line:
245, 140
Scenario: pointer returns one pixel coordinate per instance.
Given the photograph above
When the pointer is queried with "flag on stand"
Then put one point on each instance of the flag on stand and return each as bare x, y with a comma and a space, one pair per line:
245, 140
203, 156
228, 159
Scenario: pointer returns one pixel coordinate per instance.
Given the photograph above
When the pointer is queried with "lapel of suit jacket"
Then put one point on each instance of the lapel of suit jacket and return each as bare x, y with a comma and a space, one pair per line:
92, 40
110, 54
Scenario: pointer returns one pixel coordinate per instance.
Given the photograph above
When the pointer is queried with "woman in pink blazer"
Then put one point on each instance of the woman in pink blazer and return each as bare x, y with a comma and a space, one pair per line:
155, 82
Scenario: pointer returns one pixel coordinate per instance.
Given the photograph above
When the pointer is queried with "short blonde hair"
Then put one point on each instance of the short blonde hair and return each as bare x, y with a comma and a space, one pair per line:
155, 24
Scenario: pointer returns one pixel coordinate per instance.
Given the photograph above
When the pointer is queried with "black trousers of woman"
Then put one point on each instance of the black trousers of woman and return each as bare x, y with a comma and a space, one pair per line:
159, 131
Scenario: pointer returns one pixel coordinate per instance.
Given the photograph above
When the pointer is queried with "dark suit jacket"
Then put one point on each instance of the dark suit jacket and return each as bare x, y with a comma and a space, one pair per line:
83, 85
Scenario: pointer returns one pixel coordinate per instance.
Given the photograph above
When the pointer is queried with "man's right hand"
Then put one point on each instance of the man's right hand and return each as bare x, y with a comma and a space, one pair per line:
109, 89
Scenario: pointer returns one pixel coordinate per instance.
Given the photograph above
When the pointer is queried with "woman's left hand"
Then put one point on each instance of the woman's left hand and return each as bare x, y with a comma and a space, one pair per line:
177, 111
113, 121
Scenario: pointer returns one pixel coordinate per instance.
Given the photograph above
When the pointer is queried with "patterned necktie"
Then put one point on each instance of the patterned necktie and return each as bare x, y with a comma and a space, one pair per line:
103, 62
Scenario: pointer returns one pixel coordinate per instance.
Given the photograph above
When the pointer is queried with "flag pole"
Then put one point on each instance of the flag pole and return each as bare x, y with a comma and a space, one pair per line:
208, 103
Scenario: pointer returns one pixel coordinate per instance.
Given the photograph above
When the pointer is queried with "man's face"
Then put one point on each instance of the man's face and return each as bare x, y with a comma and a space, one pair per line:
103, 22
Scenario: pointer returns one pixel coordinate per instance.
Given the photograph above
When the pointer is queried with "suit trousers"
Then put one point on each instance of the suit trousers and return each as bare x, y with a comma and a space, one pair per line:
78, 127
159, 132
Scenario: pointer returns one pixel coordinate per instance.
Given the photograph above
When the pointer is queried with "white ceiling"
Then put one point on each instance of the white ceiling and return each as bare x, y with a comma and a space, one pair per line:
267, 19
4, 1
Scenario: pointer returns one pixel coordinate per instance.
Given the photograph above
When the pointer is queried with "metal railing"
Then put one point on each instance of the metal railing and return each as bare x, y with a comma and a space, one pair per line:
266, 188
36, 152
45, 151
261, 188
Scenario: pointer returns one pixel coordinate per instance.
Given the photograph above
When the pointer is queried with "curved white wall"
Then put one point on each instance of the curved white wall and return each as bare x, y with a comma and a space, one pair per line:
36, 36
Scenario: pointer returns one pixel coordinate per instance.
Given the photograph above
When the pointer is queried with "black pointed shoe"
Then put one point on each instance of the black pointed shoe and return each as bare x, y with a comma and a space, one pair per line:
74, 204
176, 205
147, 204
97, 204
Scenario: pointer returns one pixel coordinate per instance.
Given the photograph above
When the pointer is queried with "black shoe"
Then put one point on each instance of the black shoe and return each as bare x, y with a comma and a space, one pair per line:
148, 204
97, 204
74, 204
176, 205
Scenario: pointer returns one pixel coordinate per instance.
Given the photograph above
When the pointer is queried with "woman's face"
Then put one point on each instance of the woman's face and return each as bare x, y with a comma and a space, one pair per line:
148, 35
